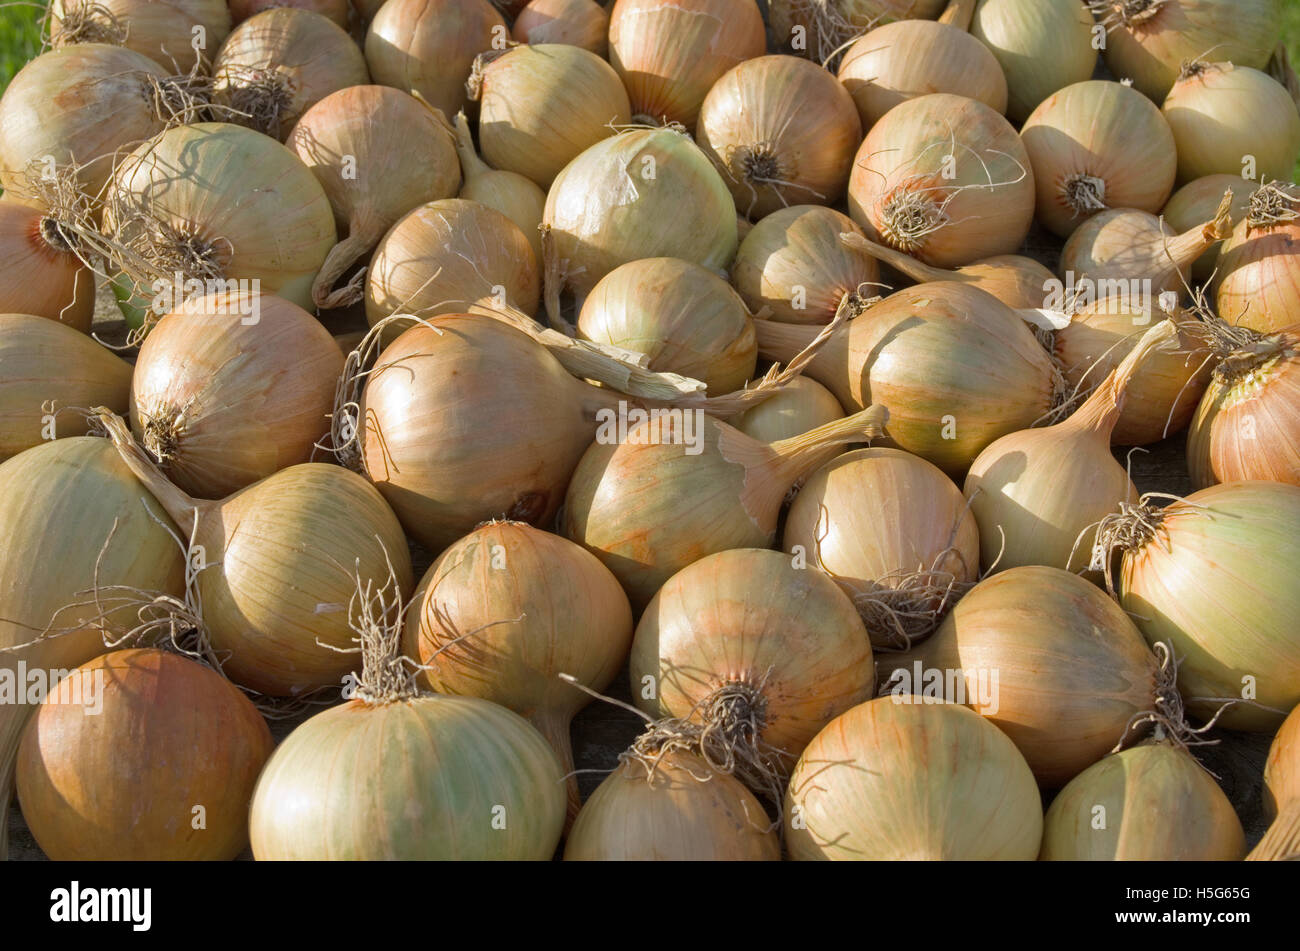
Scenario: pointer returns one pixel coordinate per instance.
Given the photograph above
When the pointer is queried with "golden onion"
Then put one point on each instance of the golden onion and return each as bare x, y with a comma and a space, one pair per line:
578, 22
43, 274
516, 197
1197, 201
802, 406
176, 34
1257, 282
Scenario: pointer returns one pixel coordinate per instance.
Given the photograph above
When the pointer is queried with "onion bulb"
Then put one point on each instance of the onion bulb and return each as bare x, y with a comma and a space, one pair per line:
428, 46
818, 28
1196, 202
686, 319
945, 179
894, 533
782, 132
1153, 802
1041, 45
516, 197
669, 53
197, 741
176, 34
802, 406
1212, 576
911, 58
794, 264
957, 368
1257, 284
1036, 492
43, 273
542, 606
42, 362
335, 10
378, 153
541, 106
673, 808
1282, 794
891, 780
623, 199
625, 501
581, 23
1098, 145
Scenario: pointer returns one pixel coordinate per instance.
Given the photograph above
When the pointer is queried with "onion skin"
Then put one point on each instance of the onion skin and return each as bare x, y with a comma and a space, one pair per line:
542, 106
41, 360
1070, 667
332, 790
1282, 795
42, 274
1104, 131
335, 10
802, 406
516, 197
198, 741
669, 53
428, 46
1196, 202
894, 780
683, 811
1158, 804
572, 616
749, 616
1216, 584
905, 159
581, 23
911, 58
163, 30
686, 319
793, 263
1257, 284
780, 119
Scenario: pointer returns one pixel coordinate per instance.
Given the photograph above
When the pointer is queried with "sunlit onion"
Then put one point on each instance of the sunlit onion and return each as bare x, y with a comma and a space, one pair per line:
1257, 283
175, 34
43, 274
801, 407
516, 197
578, 22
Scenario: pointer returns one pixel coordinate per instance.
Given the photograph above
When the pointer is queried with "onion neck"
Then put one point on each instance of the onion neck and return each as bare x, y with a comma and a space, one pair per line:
781, 342
364, 232
1282, 840
959, 13
1101, 412
799, 456
1184, 249
181, 507
471, 165
903, 263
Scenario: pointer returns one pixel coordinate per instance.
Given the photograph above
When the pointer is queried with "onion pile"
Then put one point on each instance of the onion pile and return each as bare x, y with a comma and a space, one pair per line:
45, 276
176, 34
1257, 282
578, 22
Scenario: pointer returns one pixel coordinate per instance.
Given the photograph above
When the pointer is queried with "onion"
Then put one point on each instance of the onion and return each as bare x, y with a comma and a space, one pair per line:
802, 406
669, 53
281, 62
542, 607
794, 264
1228, 118
622, 200
336, 10
625, 500
72, 506
957, 368
541, 106
1098, 145
378, 153
516, 197
911, 58
1041, 45
1282, 794
1148, 41
398, 774
1197, 201
141, 754
43, 274
276, 563
894, 532
891, 780
819, 28
449, 254
218, 202
1163, 392
1153, 802
428, 46
1036, 492
1257, 284
220, 403
1212, 576
750, 655
42, 361
686, 319
176, 34
581, 23
675, 809
945, 179
781, 131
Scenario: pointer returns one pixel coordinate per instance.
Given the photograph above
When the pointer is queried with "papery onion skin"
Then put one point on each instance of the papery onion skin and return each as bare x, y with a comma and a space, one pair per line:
43, 276
947, 203
1102, 131
802, 406
336, 10
816, 28
911, 58
1070, 667
682, 811
1196, 201
1156, 803
167, 31
669, 53
892, 780
199, 742
582, 23
1041, 46
428, 46
782, 132
516, 197
793, 263
333, 790
1257, 279
1216, 583
685, 318
39, 361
